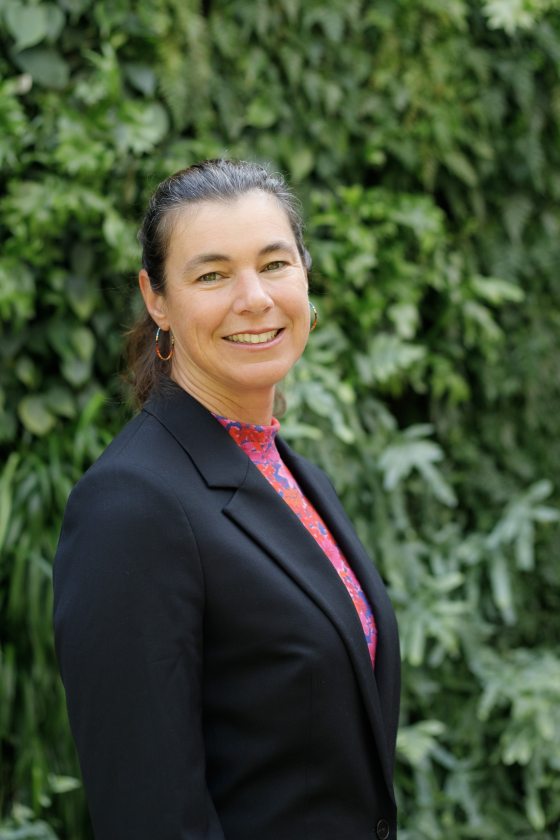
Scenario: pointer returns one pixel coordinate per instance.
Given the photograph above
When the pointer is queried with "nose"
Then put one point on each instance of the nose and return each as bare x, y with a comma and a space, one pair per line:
251, 294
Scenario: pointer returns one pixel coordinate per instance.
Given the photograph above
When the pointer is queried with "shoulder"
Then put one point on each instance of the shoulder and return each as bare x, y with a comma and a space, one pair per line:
132, 488
142, 441
141, 455
125, 517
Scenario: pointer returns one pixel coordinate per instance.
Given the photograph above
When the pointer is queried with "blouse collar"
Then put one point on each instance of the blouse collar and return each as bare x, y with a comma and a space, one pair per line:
257, 441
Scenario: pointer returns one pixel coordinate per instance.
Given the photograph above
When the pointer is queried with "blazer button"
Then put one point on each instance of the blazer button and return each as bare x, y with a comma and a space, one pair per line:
382, 830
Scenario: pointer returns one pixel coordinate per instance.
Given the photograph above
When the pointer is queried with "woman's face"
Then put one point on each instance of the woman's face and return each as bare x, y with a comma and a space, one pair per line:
235, 300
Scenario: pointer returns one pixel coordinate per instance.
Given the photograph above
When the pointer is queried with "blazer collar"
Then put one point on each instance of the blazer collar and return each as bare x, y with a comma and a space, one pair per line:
258, 510
215, 455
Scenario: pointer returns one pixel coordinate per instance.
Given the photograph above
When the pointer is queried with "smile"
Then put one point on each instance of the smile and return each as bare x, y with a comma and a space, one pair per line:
252, 338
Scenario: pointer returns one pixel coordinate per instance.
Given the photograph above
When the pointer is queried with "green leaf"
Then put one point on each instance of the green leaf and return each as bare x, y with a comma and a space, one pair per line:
437, 484
35, 415
543, 513
416, 742
83, 342
60, 401
27, 372
404, 317
388, 355
301, 163
517, 212
82, 296
479, 321
260, 114
63, 784
400, 459
92, 408
142, 77
46, 66
460, 165
28, 24
501, 587
140, 126
524, 546
495, 290
76, 371
509, 16
55, 21
6, 494
535, 811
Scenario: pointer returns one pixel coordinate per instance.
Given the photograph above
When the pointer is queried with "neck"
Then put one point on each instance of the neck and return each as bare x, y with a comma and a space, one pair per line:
255, 407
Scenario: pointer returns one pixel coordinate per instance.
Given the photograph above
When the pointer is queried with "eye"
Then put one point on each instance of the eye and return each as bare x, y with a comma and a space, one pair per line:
274, 266
211, 277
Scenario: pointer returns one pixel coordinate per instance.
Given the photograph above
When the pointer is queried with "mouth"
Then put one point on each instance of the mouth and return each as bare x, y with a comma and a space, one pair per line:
253, 338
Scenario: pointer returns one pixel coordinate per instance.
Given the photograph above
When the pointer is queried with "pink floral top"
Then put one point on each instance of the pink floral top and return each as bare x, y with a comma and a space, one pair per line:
258, 442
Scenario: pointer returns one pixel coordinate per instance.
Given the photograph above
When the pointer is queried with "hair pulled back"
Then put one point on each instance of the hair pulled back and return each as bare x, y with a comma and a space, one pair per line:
210, 180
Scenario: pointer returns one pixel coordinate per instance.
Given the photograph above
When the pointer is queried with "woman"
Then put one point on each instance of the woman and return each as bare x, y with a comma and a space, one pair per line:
229, 653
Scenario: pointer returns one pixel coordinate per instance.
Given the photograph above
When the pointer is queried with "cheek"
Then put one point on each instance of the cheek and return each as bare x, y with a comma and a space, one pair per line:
299, 296
303, 307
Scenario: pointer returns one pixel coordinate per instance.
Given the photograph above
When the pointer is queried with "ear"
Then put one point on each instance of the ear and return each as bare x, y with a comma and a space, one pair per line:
155, 303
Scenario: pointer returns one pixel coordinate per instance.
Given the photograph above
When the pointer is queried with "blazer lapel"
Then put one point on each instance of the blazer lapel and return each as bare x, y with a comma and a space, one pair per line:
385, 697
257, 509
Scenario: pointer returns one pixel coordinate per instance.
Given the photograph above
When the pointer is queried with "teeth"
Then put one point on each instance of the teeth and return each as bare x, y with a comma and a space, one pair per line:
252, 338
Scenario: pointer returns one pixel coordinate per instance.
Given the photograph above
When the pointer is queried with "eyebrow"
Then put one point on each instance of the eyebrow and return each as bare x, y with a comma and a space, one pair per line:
203, 259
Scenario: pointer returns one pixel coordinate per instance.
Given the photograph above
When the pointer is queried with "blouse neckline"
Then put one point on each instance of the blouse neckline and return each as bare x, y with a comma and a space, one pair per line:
257, 440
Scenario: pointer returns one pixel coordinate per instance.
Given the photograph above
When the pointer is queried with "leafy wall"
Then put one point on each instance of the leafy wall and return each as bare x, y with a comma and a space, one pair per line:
423, 138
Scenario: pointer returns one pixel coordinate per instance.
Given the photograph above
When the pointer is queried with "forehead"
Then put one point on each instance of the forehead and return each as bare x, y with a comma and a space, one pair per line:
250, 220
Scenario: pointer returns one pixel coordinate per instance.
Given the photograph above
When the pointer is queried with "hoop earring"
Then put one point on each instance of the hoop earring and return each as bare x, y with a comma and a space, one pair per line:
315, 317
158, 352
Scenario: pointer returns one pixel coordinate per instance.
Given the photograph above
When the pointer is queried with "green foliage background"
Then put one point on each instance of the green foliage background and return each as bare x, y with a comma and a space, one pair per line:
423, 138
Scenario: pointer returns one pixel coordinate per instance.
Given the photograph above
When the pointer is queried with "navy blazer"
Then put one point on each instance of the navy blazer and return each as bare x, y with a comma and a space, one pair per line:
217, 677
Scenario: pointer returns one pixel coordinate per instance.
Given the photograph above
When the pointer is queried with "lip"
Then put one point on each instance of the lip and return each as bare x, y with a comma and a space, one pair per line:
261, 345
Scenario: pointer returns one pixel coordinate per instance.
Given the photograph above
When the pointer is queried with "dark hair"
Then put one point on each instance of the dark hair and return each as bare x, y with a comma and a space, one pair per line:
210, 180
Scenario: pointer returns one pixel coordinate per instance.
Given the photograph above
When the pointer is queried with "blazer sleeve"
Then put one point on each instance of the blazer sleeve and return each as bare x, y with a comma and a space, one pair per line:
128, 613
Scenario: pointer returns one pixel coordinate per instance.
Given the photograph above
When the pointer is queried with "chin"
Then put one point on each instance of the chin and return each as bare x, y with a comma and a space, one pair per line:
267, 377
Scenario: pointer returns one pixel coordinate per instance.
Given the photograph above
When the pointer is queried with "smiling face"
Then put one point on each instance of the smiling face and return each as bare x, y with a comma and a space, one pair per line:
236, 302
